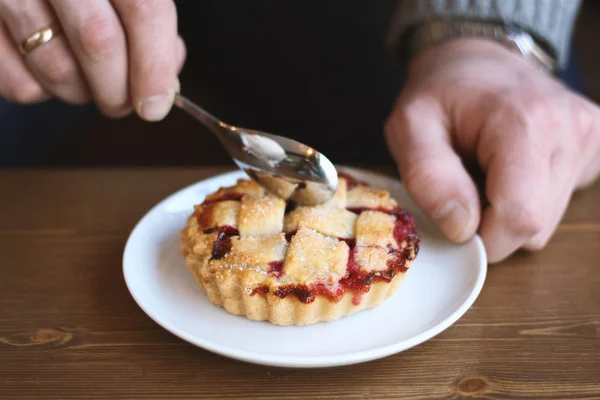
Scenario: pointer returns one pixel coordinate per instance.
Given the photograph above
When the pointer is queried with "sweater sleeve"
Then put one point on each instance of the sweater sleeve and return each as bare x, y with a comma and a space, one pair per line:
550, 21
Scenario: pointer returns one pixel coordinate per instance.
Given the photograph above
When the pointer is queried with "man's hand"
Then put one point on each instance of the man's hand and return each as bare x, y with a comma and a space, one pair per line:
122, 54
472, 103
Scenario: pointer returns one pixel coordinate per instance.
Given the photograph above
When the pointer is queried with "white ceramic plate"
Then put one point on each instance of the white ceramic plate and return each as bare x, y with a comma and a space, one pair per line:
442, 284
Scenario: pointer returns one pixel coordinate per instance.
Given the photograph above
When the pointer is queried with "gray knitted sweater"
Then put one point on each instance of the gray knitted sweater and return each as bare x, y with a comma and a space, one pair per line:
550, 21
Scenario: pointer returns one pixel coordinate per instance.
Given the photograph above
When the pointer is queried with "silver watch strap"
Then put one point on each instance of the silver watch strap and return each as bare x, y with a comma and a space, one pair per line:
434, 32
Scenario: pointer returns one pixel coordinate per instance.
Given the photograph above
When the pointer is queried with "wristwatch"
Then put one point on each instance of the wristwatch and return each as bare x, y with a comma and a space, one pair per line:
514, 38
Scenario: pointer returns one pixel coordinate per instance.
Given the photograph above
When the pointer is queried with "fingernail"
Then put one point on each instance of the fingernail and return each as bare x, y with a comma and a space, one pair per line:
155, 108
453, 218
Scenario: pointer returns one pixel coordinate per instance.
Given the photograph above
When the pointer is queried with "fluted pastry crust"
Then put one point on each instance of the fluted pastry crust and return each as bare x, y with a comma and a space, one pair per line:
256, 255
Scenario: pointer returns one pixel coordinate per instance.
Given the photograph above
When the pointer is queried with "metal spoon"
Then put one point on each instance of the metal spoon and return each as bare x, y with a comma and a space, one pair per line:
287, 168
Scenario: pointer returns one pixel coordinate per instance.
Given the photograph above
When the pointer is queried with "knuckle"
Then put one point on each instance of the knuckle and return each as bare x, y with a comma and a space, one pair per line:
525, 219
78, 99
405, 116
515, 121
521, 109
99, 36
59, 69
112, 104
148, 10
561, 157
535, 105
115, 111
535, 115
586, 123
417, 105
536, 244
513, 134
584, 117
25, 93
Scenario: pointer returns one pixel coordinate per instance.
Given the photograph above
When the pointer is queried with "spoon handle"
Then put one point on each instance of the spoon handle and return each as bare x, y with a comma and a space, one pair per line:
200, 114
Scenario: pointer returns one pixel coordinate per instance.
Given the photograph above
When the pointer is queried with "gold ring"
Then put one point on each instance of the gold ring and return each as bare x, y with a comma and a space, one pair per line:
39, 38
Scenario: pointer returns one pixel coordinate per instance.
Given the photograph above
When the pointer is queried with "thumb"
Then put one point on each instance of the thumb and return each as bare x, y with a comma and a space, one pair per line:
418, 137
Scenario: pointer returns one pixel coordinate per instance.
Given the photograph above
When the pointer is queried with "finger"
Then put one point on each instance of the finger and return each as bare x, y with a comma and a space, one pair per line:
418, 137
558, 196
557, 211
52, 64
517, 191
151, 28
16, 82
570, 172
588, 124
98, 41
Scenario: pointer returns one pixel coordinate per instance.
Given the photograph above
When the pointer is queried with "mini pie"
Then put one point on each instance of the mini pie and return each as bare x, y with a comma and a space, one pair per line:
256, 255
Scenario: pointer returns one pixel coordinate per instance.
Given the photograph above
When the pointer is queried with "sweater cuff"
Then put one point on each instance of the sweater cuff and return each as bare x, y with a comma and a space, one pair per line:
549, 21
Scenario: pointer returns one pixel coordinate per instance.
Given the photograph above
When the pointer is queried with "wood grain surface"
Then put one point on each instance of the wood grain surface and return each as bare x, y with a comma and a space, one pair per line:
70, 330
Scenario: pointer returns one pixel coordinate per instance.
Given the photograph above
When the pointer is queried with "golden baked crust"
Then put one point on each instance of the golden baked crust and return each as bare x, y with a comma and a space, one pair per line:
258, 256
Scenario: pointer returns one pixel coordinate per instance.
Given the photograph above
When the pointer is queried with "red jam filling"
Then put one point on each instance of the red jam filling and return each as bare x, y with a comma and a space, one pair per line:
397, 263
404, 228
355, 280
276, 268
303, 293
360, 281
222, 244
308, 294
289, 236
263, 290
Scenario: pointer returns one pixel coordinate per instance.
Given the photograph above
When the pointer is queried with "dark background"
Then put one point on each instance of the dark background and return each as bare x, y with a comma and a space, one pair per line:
316, 71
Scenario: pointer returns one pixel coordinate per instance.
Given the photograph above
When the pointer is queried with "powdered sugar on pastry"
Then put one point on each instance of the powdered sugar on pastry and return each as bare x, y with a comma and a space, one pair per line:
257, 256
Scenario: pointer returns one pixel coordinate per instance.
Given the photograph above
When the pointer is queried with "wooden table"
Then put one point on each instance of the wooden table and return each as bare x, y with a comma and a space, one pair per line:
70, 330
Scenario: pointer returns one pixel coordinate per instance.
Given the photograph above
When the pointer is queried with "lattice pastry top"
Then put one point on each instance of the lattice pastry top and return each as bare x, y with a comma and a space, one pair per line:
358, 237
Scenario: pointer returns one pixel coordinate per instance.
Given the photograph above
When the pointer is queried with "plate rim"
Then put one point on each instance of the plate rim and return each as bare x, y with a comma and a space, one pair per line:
295, 361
